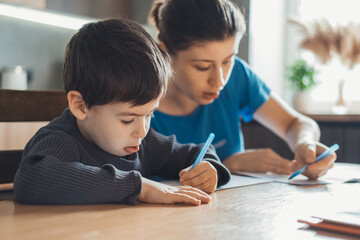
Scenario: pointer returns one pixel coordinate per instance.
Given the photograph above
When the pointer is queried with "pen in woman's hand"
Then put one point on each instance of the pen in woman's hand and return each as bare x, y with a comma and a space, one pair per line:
324, 154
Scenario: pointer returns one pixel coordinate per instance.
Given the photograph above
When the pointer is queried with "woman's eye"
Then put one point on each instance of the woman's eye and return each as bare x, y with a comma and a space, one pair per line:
150, 115
202, 68
228, 62
127, 122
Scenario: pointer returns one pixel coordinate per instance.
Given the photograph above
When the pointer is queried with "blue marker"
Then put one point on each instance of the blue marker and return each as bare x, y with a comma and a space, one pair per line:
324, 154
204, 149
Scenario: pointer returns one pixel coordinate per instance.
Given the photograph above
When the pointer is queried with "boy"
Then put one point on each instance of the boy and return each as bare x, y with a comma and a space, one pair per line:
96, 151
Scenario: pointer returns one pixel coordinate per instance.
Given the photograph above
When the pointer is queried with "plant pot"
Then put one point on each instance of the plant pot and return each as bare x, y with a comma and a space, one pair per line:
302, 101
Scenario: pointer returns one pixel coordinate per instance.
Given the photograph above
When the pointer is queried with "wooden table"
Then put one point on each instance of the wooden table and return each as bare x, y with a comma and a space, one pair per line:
264, 211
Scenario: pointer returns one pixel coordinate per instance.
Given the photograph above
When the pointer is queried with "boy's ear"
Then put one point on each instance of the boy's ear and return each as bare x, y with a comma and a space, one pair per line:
77, 105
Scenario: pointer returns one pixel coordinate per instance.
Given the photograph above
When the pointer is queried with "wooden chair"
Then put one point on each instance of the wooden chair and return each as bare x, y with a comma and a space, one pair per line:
24, 106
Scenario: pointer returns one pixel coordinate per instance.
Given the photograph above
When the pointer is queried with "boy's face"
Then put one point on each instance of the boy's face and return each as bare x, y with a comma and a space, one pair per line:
117, 128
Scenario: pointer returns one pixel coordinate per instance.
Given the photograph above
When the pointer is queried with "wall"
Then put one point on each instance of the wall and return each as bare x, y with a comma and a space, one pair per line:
38, 47
94, 8
267, 42
141, 8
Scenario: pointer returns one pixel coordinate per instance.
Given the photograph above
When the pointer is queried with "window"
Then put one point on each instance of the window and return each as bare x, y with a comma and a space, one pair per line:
337, 12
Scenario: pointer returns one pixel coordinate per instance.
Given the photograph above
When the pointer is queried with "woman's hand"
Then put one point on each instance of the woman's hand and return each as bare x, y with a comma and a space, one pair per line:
154, 192
203, 176
259, 160
306, 152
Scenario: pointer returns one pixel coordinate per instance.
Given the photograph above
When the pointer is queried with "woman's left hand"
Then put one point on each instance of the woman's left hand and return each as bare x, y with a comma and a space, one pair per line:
306, 153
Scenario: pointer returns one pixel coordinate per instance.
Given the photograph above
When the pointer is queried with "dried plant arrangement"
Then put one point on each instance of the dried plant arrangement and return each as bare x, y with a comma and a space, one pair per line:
325, 40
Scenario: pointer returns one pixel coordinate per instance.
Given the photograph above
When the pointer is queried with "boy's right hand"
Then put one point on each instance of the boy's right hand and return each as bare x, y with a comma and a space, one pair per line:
154, 192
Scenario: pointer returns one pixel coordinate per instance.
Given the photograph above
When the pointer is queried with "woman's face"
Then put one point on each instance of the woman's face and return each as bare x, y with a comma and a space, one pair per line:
202, 70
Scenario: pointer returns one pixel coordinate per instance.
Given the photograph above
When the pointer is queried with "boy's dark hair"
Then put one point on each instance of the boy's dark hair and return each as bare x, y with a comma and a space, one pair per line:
180, 23
115, 60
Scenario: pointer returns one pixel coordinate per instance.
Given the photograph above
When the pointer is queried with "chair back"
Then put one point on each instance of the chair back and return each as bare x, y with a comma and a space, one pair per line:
26, 106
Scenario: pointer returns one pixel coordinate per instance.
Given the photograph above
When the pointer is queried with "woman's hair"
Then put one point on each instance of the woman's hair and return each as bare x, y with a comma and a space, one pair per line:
115, 60
181, 23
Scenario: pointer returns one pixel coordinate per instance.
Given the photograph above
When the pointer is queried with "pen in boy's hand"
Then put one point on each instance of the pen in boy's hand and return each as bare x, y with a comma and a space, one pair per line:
204, 149
324, 154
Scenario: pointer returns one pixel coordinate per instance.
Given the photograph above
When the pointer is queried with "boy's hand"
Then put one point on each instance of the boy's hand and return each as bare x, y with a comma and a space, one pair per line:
203, 176
154, 192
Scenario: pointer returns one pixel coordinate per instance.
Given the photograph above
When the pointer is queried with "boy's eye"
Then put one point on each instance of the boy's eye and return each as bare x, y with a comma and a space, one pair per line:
127, 122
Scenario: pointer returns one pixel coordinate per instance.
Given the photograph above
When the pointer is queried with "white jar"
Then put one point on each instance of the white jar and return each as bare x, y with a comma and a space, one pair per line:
14, 78
302, 101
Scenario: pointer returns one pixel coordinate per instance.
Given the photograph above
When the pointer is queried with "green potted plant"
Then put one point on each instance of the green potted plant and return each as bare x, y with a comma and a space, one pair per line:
302, 79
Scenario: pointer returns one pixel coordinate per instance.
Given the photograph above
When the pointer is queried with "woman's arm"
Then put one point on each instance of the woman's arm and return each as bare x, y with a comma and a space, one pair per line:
298, 131
285, 122
258, 160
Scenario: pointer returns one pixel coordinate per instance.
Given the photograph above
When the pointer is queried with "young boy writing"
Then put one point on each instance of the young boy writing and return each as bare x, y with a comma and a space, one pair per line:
96, 151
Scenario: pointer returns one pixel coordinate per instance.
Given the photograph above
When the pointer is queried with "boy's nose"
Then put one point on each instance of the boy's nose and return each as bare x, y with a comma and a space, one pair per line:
141, 129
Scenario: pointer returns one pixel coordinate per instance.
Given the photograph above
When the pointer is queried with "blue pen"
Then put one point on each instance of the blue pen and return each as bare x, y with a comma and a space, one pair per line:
204, 149
324, 154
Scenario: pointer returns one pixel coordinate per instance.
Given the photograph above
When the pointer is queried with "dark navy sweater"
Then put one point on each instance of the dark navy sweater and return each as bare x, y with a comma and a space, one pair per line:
60, 167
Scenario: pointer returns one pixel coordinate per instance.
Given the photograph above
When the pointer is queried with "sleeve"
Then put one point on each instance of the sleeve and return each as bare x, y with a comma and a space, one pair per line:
51, 173
167, 157
251, 91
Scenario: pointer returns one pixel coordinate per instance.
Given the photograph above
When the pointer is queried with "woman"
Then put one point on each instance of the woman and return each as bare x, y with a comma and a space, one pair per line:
212, 89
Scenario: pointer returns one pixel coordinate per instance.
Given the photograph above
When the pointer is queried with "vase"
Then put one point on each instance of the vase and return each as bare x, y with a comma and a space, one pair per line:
302, 101
340, 105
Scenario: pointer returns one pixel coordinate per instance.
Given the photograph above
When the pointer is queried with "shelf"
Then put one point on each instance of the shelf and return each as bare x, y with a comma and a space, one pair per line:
335, 117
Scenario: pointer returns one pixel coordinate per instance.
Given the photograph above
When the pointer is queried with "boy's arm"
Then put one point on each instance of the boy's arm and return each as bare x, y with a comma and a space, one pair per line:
51, 173
166, 157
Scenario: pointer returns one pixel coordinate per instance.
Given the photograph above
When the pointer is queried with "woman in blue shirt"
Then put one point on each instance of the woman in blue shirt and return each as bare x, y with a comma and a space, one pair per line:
212, 89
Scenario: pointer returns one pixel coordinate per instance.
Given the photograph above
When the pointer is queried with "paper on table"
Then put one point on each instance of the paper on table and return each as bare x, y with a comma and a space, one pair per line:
342, 172
235, 181
300, 180
241, 181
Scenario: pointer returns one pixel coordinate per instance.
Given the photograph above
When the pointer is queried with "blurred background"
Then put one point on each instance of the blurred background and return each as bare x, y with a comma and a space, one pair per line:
307, 51
271, 44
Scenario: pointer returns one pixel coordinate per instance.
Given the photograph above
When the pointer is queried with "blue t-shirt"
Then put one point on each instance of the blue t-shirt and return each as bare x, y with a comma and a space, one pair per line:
244, 93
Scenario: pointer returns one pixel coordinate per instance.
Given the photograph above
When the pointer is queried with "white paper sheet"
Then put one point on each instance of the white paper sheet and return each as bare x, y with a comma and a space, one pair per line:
235, 181
342, 172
